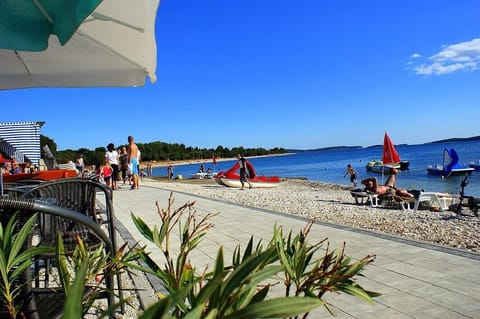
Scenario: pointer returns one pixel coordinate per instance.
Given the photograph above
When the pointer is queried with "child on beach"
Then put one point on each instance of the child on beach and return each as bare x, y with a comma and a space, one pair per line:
353, 174
106, 171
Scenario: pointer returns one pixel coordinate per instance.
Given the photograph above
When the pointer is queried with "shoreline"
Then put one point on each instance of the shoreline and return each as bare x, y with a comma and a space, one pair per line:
156, 164
333, 203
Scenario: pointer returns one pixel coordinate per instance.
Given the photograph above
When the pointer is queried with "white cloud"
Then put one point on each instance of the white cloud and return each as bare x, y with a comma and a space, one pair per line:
416, 56
461, 56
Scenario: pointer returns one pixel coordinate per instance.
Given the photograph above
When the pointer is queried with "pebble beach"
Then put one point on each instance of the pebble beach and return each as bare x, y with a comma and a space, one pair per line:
334, 204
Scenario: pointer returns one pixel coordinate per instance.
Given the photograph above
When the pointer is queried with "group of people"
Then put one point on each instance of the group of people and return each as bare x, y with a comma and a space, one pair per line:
371, 184
13, 167
125, 161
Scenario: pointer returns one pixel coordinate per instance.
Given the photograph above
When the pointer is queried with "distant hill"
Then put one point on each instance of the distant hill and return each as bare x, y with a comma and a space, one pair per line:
331, 148
456, 139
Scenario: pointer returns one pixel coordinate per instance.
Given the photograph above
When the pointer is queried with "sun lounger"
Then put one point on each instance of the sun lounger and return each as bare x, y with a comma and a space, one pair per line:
362, 197
440, 200
406, 203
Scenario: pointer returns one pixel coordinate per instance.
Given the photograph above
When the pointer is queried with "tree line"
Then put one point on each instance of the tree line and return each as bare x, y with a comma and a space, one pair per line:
157, 151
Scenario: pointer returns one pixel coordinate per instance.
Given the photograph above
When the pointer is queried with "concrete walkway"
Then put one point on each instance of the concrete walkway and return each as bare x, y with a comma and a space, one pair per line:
416, 280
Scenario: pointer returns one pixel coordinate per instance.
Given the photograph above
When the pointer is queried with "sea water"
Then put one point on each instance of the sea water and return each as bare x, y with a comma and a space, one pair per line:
329, 165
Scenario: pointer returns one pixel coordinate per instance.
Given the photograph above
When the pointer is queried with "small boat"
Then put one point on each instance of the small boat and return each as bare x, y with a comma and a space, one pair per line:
475, 166
257, 182
378, 167
203, 175
450, 165
390, 159
231, 178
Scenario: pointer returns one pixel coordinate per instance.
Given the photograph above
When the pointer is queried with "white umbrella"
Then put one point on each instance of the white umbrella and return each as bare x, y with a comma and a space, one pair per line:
114, 46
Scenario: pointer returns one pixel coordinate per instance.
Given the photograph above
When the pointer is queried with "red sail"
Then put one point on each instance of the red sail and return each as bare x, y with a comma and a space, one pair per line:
390, 154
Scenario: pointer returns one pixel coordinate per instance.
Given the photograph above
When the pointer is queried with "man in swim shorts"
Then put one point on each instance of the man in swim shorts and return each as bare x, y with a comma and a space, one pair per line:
133, 161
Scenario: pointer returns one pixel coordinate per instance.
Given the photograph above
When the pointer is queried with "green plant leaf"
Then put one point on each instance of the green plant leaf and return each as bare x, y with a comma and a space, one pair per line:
142, 227
73, 303
243, 272
277, 307
160, 309
284, 260
19, 239
260, 295
357, 290
212, 288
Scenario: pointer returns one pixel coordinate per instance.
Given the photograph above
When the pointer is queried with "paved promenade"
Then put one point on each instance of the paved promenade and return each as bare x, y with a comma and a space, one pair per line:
416, 280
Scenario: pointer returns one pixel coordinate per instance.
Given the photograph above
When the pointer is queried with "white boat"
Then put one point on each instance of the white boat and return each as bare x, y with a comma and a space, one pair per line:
230, 182
378, 167
390, 159
231, 179
203, 175
450, 165
443, 170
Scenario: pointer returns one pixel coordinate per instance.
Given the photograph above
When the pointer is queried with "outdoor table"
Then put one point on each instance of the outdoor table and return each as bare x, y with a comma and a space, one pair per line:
47, 175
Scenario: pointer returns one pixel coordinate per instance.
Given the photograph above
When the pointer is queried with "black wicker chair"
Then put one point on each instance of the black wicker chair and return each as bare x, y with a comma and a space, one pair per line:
86, 196
47, 302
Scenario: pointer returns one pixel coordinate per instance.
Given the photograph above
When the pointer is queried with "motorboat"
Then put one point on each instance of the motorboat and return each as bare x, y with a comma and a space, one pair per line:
450, 165
378, 167
231, 178
439, 170
203, 175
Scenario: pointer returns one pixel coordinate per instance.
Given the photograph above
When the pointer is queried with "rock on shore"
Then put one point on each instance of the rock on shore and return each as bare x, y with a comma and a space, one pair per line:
334, 204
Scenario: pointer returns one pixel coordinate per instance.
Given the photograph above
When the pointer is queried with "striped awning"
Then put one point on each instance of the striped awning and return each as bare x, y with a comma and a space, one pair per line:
21, 141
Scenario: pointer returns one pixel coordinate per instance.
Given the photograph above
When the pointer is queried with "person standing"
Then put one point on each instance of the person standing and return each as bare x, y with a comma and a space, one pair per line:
112, 157
79, 164
353, 174
243, 171
133, 155
170, 172
123, 158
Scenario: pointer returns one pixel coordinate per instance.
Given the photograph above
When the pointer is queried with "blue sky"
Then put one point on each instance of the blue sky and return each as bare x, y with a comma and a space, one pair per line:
296, 74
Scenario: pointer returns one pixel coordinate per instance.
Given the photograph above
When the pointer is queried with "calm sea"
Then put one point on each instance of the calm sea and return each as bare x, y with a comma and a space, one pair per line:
330, 165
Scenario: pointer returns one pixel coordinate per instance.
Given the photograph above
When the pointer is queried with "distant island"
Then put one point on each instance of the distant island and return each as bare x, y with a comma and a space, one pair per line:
456, 139
330, 148
333, 148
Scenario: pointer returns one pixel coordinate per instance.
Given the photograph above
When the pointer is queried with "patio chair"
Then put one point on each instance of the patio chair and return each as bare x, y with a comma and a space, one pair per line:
47, 302
85, 196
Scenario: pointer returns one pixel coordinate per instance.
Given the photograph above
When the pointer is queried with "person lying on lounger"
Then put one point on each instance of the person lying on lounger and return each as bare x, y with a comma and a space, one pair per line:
389, 187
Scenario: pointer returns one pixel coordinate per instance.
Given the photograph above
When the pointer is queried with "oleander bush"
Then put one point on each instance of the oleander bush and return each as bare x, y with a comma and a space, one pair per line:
286, 277
241, 288
13, 262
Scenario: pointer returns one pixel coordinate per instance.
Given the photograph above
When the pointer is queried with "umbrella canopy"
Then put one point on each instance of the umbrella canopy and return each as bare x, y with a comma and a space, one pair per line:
390, 155
26, 24
113, 46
